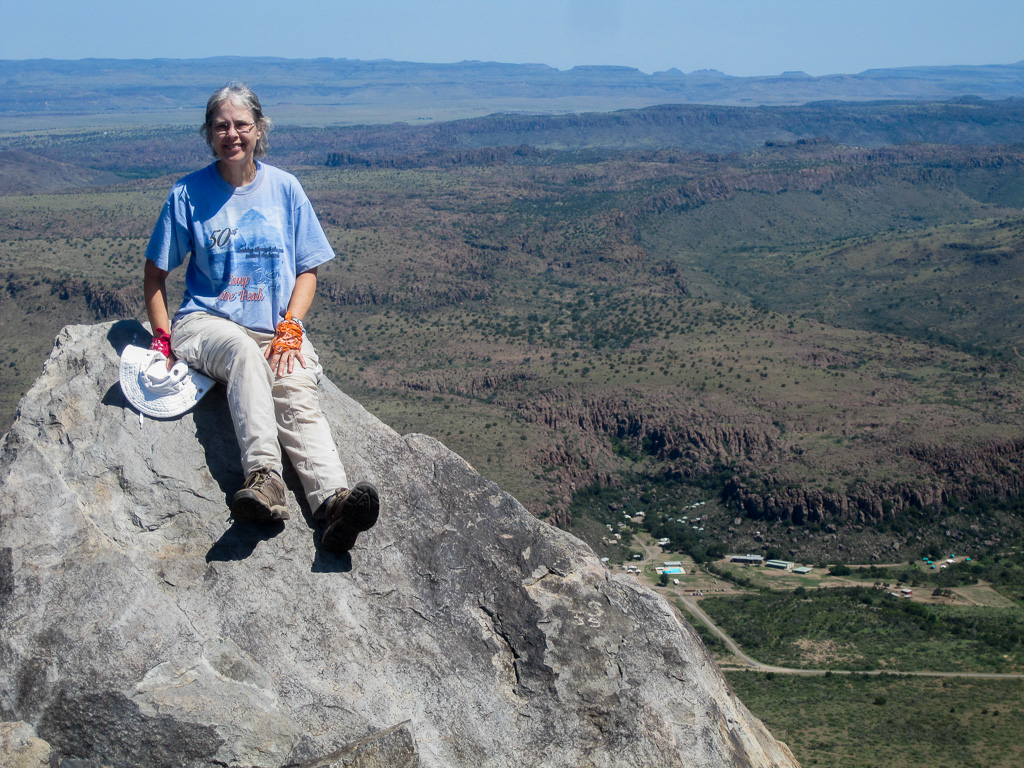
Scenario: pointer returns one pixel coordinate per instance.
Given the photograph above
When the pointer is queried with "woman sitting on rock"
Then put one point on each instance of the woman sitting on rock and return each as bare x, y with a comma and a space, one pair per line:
255, 245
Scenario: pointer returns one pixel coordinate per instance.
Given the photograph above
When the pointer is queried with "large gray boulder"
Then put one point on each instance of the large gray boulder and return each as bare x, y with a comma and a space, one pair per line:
139, 627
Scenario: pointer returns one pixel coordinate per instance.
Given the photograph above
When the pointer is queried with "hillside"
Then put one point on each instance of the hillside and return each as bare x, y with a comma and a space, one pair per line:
818, 339
509, 138
323, 92
24, 173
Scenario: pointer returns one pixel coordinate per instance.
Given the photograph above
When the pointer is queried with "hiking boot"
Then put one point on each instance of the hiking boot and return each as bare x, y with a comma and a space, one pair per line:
348, 513
261, 499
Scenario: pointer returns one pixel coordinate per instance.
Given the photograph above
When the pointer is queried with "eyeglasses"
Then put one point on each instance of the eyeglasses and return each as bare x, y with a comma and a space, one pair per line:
241, 128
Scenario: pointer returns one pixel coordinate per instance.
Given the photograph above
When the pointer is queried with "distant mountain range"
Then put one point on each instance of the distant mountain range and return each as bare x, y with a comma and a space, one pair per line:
346, 91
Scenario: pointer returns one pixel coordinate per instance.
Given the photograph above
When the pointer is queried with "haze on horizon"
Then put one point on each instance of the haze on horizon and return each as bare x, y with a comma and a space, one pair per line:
737, 37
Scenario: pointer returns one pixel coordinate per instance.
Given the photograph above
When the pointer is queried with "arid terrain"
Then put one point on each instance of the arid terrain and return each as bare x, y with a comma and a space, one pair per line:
822, 339
794, 332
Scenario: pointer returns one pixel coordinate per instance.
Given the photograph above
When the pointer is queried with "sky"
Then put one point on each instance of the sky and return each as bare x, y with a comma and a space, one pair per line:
737, 37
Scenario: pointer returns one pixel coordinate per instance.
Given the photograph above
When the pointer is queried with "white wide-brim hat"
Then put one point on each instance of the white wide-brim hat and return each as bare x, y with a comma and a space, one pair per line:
156, 391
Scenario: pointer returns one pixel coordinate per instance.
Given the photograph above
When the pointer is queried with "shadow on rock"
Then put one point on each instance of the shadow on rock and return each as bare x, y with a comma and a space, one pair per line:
329, 562
324, 561
216, 434
125, 332
114, 397
240, 540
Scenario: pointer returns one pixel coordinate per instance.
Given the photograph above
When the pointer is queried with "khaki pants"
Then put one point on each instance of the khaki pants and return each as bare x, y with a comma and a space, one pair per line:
269, 412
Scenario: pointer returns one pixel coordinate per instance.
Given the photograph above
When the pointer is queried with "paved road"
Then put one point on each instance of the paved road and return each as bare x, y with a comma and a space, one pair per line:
756, 666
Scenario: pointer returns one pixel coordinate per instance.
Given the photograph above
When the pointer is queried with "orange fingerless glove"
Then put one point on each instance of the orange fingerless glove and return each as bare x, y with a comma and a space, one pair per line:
288, 335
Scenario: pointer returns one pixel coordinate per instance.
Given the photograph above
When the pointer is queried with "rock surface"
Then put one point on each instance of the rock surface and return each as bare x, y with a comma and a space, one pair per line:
20, 747
140, 627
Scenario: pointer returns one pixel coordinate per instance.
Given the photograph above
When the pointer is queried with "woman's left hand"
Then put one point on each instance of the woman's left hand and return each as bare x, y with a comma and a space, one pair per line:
283, 362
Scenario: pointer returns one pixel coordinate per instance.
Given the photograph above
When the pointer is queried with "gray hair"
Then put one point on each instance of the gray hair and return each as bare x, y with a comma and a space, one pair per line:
242, 95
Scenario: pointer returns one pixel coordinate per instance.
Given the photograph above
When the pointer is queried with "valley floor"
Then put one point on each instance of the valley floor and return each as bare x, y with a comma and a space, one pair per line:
845, 718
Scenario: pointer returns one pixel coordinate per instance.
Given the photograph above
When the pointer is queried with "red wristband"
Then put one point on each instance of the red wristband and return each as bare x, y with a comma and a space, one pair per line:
161, 342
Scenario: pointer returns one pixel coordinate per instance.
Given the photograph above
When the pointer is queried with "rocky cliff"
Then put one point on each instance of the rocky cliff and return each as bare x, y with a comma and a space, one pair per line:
139, 627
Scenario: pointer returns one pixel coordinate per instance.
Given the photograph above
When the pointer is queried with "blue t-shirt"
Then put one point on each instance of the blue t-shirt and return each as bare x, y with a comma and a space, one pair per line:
247, 244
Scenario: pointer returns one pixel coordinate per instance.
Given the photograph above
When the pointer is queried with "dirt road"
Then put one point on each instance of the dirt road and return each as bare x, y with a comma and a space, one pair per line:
754, 665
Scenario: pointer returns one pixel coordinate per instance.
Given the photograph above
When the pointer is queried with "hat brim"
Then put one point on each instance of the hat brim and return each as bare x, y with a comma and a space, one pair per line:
135, 362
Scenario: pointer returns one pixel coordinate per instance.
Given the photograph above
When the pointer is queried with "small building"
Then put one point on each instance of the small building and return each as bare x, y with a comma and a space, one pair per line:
782, 565
747, 559
671, 563
803, 570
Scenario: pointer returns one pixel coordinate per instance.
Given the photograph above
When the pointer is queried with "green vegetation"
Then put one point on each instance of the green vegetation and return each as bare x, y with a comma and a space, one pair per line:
856, 721
909, 271
861, 628
645, 321
820, 344
660, 506
1004, 571
711, 641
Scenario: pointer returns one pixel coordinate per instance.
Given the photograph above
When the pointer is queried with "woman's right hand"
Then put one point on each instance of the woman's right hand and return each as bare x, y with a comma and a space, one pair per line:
162, 343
